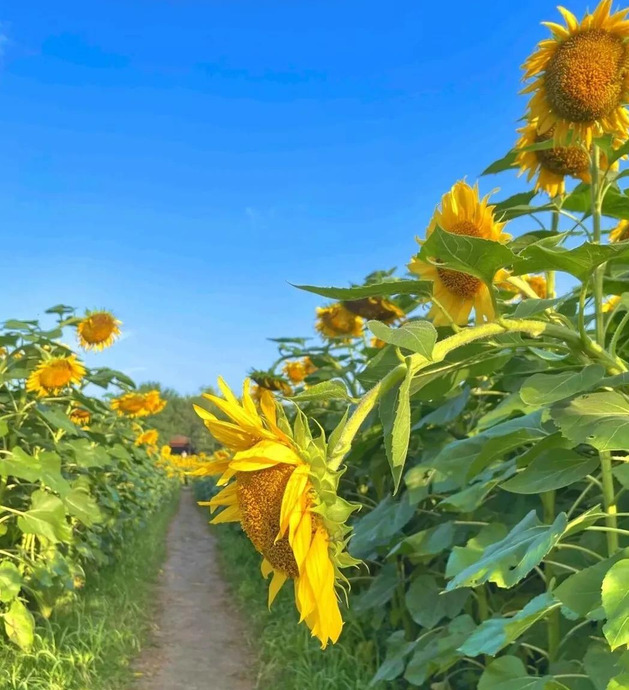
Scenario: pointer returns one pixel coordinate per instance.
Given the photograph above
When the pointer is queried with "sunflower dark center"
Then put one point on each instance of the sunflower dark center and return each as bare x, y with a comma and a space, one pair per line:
562, 160
461, 284
584, 79
260, 496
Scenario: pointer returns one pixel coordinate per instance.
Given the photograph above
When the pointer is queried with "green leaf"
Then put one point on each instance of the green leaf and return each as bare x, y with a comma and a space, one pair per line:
471, 255
511, 559
445, 413
46, 518
393, 665
395, 414
620, 682
529, 307
496, 633
19, 625
88, 454
56, 418
378, 527
428, 542
380, 591
600, 419
60, 309
579, 262
581, 592
383, 289
505, 163
428, 605
509, 673
82, 506
461, 557
552, 469
326, 390
543, 389
417, 336
10, 581
4, 428
616, 604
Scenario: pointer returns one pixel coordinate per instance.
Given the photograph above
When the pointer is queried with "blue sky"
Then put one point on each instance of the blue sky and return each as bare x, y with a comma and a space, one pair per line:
180, 161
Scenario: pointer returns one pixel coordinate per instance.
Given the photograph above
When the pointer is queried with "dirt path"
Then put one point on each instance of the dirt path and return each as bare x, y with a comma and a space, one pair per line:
200, 641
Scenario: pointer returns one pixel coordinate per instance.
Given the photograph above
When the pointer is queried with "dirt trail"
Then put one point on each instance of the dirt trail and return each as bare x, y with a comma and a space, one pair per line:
200, 641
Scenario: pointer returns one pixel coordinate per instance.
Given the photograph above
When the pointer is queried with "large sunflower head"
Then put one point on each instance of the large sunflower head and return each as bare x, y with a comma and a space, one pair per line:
581, 82
336, 321
462, 212
52, 375
153, 402
97, 330
375, 308
130, 405
278, 487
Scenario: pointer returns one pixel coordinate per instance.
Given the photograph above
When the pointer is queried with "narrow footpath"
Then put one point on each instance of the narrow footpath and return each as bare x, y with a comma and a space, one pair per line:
200, 641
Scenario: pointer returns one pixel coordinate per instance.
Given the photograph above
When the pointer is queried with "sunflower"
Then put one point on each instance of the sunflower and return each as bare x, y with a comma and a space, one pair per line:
298, 370
271, 382
54, 374
375, 308
80, 416
336, 321
620, 233
278, 487
97, 330
581, 82
147, 438
611, 303
131, 405
462, 212
376, 342
153, 402
538, 285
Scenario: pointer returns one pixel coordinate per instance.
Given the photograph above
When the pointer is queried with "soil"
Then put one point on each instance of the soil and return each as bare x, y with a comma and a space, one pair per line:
199, 641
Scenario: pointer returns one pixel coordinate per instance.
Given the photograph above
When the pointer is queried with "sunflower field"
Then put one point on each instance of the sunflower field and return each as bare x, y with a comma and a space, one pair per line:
447, 464
79, 473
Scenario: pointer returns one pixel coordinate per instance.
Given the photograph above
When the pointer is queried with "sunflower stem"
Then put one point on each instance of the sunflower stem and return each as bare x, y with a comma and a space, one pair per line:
550, 275
599, 273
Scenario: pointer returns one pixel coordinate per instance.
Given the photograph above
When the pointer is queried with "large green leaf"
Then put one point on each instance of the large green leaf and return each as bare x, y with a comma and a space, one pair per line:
616, 604
380, 591
506, 162
395, 414
496, 633
581, 592
511, 559
552, 469
416, 336
600, 419
87, 454
472, 255
326, 390
393, 665
509, 673
10, 581
462, 557
428, 605
57, 418
46, 518
543, 389
378, 527
445, 413
579, 262
427, 542
19, 625
45, 468
382, 289
82, 506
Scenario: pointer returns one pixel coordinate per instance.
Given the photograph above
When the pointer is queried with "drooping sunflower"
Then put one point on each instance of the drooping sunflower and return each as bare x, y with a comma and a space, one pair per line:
97, 330
80, 416
278, 487
620, 233
462, 212
130, 405
297, 370
375, 308
271, 382
54, 374
550, 165
538, 285
581, 82
336, 321
611, 303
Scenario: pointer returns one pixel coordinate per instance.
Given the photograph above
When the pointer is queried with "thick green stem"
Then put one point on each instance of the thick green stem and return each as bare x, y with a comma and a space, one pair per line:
597, 201
550, 275
609, 501
553, 620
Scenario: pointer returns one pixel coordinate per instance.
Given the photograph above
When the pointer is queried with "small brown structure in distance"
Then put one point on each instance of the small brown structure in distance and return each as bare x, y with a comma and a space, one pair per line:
180, 445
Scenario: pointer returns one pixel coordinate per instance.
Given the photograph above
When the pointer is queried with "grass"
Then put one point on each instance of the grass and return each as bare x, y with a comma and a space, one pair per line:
288, 657
89, 646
